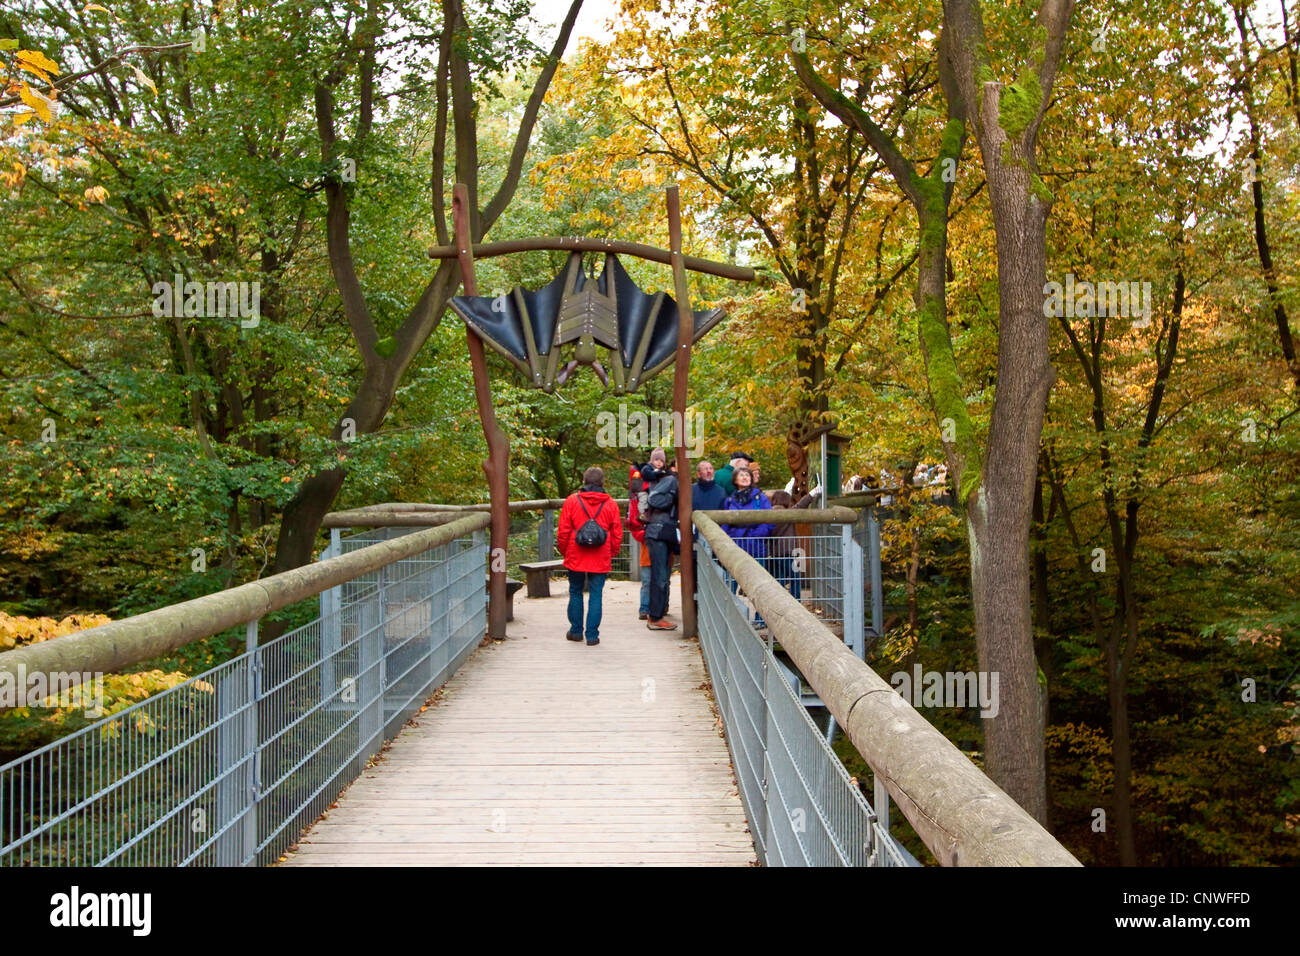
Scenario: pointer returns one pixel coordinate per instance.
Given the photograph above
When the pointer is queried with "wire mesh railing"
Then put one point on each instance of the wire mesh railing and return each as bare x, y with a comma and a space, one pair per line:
228, 767
813, 567
866, 532
802, 806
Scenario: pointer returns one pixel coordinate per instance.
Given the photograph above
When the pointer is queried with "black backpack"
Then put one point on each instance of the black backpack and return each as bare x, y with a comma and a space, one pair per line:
590, 535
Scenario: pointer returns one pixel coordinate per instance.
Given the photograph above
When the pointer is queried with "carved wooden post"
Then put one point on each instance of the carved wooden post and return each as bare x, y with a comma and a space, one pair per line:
685, 334
498, 461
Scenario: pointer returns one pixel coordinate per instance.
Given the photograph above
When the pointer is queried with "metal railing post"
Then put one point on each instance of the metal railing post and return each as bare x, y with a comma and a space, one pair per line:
880, 804
438, 622
546, 536
331, 621
769, 837
873, 556
233, 764
382, 648
851, 562
370, 692
248, 826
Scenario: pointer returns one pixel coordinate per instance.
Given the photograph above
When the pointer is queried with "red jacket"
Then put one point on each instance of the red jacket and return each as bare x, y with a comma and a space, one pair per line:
601, 507
633, 518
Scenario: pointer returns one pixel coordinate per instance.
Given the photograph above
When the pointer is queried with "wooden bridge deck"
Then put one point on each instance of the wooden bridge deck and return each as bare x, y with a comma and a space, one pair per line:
542, 751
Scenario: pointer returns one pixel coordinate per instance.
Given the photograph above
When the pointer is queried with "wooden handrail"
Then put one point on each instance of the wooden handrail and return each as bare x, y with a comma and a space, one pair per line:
486, 250
408, 513
749, 517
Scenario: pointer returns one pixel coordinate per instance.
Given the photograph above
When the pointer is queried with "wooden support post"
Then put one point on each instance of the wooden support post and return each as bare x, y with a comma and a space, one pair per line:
681, 369
498, 460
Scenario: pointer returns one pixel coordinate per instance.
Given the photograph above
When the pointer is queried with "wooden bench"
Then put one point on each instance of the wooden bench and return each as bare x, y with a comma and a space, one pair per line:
512, 587
538, 574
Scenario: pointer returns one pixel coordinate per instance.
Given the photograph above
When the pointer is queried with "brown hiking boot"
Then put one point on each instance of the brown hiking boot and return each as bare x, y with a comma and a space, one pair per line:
663, 624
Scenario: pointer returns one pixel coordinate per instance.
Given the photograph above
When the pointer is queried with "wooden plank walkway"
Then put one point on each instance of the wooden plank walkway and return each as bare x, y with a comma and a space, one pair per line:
542, 751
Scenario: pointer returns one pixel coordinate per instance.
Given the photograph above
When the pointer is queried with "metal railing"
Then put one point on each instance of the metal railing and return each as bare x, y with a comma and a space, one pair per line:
802, 806
821, 569
955, 809
228, 767
626, 565
866, 532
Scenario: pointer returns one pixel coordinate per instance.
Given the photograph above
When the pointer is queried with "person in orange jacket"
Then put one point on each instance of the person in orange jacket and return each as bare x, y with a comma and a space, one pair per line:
589, 535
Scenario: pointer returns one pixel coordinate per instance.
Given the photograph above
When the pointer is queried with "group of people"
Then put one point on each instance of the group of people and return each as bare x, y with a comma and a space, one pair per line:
934, 477
590, 530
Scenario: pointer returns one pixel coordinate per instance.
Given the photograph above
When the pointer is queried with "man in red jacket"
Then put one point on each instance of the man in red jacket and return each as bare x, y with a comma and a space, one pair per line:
586, 514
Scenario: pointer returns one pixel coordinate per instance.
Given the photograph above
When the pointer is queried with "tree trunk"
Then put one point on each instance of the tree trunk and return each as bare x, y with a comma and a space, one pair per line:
1001, 517
1004, 639
1262, 245
302, 518
1000, 510
1121, 746
913, 572
305, 511
1042, 610
378, 388
1006, 121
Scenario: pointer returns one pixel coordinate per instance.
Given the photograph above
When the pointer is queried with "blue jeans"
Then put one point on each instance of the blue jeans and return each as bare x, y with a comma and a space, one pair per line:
783, 570
758, 618
595, 584
645, 590
659, 579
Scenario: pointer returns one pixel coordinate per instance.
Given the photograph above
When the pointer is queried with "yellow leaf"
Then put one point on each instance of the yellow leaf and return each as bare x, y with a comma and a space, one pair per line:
95, 6
33, 70
96, 194
139, 75
35, 101
36, 61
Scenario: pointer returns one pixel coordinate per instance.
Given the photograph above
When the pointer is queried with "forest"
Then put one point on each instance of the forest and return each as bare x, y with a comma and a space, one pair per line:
1051, 246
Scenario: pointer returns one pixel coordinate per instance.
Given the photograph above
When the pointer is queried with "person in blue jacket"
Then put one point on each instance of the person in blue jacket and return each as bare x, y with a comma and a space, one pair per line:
753, 539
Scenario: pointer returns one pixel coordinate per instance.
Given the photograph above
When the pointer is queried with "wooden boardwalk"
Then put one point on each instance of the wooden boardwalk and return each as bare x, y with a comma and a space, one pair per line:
542, 751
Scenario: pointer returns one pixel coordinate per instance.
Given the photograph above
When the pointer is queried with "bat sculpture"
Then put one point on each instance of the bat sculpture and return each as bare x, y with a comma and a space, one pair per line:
638, 330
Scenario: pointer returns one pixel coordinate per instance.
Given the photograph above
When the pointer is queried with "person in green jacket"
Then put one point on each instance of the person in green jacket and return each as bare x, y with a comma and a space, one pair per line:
723, 476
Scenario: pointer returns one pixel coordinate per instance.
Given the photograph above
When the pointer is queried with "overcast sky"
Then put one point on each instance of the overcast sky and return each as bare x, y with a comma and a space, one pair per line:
592, 18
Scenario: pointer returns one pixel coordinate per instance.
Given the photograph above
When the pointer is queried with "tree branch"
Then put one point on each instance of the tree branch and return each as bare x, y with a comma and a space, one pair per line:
505, 192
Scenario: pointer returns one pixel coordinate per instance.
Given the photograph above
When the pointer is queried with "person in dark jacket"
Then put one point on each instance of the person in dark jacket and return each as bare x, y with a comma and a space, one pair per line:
589, 565
637, 493
662, 539
706, 493
784, 550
